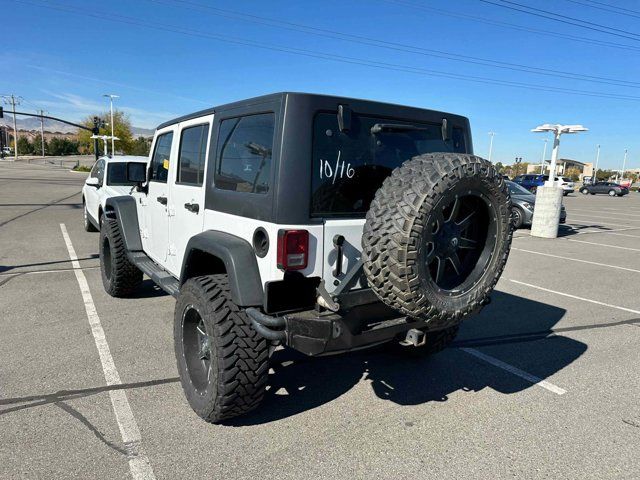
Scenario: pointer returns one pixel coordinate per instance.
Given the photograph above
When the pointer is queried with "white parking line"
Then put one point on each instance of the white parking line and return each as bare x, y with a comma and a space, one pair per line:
515, 371
603, 245
570, 216
577, 260
596, 212
575, 297
138, 462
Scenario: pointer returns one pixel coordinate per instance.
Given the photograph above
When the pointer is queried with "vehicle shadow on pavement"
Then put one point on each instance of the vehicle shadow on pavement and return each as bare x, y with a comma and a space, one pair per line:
148, 289
568, 230
512, 329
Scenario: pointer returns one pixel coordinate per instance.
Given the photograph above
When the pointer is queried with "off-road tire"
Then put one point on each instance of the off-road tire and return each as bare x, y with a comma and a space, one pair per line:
120, 277
239, 368
392, 238
88, 226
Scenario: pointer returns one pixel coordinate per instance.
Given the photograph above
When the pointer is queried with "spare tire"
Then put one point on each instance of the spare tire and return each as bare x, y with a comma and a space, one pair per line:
437, 237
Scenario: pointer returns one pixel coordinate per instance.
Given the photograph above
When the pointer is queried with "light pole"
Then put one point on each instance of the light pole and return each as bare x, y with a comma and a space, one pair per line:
544, 154
491, 134
624, 162
546, 215
111, 97
595, 173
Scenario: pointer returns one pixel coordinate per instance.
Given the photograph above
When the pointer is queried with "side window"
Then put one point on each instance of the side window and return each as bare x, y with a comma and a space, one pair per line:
159, 165
100, 171
191, 161
243, 155
94, 170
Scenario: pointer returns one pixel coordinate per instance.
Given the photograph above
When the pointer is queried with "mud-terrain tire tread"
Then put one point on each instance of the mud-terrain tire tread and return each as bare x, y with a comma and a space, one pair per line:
393, 228
240, 355
125, 276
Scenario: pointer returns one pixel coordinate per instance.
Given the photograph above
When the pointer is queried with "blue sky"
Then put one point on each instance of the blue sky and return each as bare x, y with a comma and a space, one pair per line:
64, 58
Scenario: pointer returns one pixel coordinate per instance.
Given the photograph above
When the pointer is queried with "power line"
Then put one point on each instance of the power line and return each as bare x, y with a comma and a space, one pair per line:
613, 6
13, 100
359, 39
329, 56
570, 21
608, 8
513, 26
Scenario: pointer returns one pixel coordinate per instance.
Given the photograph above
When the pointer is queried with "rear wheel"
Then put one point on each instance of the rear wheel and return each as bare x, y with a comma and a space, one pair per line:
584, 191
120, 277
437, 237
222, 361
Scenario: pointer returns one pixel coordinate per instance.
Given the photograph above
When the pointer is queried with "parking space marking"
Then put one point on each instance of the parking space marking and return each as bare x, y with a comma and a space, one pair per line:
138, 462
575, 297
617, 267
605, 213
515, 371
598, 221
603, 245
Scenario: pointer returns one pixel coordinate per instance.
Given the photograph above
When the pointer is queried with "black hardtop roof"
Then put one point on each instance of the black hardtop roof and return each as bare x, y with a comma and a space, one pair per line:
283, 96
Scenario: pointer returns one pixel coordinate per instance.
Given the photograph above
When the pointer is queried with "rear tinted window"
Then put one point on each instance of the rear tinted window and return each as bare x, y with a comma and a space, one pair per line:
193, 147
244, 153
117, 175
348, 167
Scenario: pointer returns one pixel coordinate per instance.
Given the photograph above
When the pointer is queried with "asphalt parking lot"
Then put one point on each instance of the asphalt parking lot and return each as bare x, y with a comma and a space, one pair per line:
544, 383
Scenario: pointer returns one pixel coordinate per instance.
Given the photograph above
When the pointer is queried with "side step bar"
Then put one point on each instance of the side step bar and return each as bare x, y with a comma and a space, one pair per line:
159, 275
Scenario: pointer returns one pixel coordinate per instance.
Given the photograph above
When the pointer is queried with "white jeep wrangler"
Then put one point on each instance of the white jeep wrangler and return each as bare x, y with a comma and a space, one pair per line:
320, 223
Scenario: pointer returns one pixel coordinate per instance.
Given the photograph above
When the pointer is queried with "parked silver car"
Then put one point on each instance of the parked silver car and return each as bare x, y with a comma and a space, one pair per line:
522, 205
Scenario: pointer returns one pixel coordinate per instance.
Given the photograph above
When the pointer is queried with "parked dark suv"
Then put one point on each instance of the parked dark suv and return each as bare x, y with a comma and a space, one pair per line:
610, 188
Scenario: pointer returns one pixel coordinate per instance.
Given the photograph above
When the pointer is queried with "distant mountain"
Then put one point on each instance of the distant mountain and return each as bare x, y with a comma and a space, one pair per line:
33, 123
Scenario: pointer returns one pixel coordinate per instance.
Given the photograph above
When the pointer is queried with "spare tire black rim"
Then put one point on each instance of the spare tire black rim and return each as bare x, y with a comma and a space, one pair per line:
196, 348
458, 240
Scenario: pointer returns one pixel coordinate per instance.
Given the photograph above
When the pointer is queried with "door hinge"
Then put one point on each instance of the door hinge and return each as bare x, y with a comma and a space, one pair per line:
171, 211
144, 233
172, 250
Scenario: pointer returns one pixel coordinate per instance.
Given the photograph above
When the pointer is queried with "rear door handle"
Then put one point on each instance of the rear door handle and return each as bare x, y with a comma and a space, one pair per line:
192, 207
162, 200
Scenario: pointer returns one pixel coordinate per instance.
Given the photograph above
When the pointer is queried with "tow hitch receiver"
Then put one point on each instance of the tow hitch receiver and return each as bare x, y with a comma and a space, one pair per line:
414, 338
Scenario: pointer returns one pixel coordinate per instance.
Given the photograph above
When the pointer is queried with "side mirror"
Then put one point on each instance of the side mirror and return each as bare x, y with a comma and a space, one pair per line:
92, 182
137, 174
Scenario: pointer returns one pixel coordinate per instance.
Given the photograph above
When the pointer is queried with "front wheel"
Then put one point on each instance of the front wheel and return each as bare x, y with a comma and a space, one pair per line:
120, 277
518, 217
88, 226
222, 361
612, 193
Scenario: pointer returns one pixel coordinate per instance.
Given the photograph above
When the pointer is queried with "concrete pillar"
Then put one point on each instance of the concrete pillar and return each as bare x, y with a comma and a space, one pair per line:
546, 215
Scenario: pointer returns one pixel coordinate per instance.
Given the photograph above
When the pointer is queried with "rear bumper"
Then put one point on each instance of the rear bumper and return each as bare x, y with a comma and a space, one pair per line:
321, 333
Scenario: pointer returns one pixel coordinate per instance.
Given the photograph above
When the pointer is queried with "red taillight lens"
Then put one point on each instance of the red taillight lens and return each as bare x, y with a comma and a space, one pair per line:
293, 249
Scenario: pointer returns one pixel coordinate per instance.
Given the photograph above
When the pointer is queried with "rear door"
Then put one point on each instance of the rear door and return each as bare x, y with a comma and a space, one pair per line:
187, 186
349, 167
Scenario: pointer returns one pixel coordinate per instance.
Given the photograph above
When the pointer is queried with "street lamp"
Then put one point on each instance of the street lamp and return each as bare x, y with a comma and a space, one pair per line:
595, 173
544, 154
491, 134
111, 97
546, 215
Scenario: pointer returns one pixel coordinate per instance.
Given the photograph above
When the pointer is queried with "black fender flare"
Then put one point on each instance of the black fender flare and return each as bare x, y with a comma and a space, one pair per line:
239, 260
123, 210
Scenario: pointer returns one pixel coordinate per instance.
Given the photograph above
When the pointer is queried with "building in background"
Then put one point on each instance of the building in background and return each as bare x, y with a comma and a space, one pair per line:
565, 166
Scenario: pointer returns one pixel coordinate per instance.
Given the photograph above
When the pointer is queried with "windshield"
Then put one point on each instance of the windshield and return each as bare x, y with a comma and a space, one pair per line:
515, 189
349, 167
117, 175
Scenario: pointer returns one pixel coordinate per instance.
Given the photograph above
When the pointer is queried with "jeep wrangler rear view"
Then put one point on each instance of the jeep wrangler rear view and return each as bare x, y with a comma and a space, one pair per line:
319, 223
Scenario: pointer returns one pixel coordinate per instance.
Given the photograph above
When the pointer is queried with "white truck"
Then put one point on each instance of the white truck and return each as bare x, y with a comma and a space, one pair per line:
320, 223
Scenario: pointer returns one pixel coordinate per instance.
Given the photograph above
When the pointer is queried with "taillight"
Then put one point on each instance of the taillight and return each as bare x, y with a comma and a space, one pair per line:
293, 249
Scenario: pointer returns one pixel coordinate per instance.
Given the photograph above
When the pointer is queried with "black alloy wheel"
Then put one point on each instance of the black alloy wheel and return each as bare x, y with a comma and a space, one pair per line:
196, 347
459, 240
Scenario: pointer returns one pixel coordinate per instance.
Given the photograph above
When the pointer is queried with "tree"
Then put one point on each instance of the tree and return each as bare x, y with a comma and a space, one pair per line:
122, 130
573, 173
140, 146
604, 175
62, 146
24, 147
37, 145
499, 167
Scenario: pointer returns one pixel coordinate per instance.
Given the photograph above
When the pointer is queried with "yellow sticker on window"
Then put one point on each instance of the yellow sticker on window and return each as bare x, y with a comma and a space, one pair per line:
165, 164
